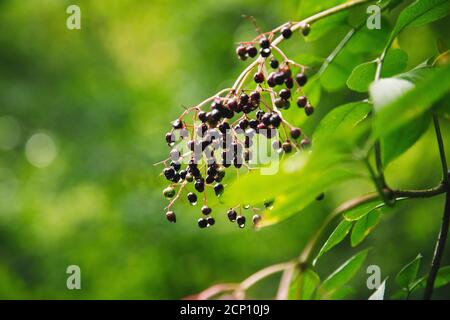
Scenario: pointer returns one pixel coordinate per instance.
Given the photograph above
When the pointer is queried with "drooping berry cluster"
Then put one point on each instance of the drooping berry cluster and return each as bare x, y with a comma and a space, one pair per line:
225, 134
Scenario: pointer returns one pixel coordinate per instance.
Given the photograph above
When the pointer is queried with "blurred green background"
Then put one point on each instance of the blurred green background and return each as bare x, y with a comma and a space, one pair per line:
83, 115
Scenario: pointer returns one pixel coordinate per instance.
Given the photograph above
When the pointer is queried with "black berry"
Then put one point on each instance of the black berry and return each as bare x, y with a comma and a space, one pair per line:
309, 110
274, 63
177, 124
192, 198
258, 77
232, 215
295, 133
286, 32
240, 221
287, 147
202, 223
206, 210
210, 221
285, 94
301, 101
264, 43
265, 52
169, 173
301, 79
170, 215
252, 51
199, 185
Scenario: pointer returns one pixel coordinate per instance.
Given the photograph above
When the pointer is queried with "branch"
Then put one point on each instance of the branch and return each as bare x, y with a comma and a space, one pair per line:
443, 232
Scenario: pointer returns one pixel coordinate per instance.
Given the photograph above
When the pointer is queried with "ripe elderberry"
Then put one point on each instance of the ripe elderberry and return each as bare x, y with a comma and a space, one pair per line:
309, 109
286, 32
241, 51
170, 215
264, 43
265, 52
252, 51
302, 101
206, 210
258, 77
232, 215
285, 94
287, 147
240, 221
192, 198
301, 79
211, 221
202, 223
218, 189
295, 133
274, 63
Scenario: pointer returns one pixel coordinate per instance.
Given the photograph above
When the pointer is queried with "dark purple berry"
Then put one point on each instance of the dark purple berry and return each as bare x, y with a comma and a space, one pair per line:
289, 82
253, 123
301, 79
199, 185
169, 173
171, 217
202, 223
285, 94
320, 196
177, 124
264, 43
192, 198
295, 133
210, 221
232, 215
301, 101
258, 77
202, 116
218, 189
265, 52
275, 120
309, 110
274, 63
241, 51
252, 51
255, 96
286, 32
206, 210
240, 221
170, 138
287, 147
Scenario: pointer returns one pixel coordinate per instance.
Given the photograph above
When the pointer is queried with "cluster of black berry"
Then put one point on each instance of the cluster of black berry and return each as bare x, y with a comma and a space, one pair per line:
223, 135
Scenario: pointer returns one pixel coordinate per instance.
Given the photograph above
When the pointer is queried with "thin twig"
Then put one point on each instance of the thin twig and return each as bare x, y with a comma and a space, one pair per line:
443, 232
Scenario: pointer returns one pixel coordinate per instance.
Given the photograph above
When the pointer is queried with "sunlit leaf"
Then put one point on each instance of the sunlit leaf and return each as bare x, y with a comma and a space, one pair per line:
335, 238
410, 105
364, 226
363, 74
420, 12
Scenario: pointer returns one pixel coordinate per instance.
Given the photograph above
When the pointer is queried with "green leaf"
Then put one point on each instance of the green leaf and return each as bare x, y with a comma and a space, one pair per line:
379, 293
408, 273
321, 27
343, 274
363, 209
288, 203
342, 293
304, 285
420, 12
364, 226
312, 89
401, 139
339, 120
335, 238
410, 105
442, 279
363, 74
